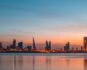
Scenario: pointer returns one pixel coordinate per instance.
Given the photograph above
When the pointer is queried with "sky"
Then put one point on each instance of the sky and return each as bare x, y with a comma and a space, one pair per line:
56, 20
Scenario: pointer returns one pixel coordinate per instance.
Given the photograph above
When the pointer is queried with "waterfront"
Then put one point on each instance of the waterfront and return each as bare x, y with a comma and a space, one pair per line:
49, 61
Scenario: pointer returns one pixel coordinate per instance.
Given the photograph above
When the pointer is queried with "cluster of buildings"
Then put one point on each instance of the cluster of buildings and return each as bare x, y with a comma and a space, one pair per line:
19, 47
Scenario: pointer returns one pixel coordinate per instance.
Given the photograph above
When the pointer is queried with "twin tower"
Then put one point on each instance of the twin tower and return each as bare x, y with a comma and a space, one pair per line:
48, 45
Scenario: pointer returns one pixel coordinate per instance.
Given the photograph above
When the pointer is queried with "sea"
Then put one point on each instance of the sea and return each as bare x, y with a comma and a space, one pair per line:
43, 61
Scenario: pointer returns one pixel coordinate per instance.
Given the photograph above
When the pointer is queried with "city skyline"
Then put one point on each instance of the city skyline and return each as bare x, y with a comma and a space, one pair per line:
34, 43
55, 20
48, 43
48, 47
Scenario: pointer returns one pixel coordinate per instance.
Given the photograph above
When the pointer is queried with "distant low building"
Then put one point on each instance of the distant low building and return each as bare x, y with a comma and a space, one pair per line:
29, 48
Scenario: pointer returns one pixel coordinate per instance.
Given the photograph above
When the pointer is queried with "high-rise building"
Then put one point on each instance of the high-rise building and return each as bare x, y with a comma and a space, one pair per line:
34, 45
14, 44
48, 45
67, 47
85, 43
81, 48
20, 45
1, 45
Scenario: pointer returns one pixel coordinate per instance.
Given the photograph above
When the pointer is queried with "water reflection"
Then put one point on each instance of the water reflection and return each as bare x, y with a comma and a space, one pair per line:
42, 63
33, 62
48, 62
17, 62
85, 64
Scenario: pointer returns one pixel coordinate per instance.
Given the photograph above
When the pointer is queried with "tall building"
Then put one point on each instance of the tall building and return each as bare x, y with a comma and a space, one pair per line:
48, 45
1, 45
20, 45
67, 47
85, 43
34, 45
81, 48
14, 44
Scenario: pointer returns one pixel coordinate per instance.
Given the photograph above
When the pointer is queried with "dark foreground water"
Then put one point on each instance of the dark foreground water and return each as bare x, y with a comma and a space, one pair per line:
20, 61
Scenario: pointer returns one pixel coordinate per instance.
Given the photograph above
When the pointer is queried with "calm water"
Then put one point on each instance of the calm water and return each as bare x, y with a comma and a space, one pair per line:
42, 62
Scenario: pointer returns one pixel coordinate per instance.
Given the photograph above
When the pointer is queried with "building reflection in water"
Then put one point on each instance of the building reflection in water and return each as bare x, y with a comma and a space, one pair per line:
0, 62
85, 64
14, 63
48, 62
17, 62
67, 63
42, 63
33, 63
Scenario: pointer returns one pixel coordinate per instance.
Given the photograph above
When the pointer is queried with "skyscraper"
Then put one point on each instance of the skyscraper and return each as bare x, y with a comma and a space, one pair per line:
48, 45
67, 47
0, 45
34, 45
20, 45
85, 43
14, 44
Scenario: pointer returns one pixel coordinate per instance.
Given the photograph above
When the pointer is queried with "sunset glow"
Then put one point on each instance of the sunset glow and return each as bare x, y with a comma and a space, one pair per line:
56, 21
